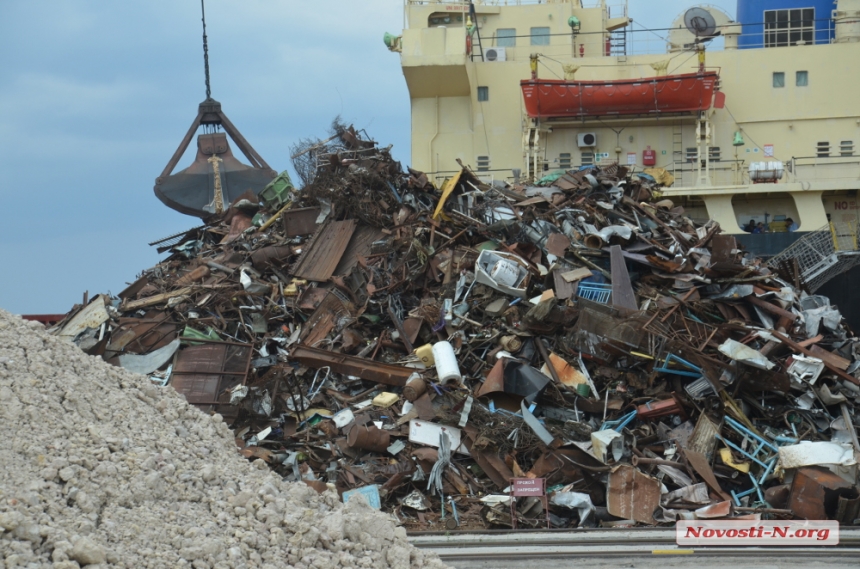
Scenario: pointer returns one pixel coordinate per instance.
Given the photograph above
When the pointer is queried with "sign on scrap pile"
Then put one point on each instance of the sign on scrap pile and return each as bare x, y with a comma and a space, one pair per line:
528, 488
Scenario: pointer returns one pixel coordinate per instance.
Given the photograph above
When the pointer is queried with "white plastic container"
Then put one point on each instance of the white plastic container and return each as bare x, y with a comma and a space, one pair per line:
505, 272
447, 367
765, 171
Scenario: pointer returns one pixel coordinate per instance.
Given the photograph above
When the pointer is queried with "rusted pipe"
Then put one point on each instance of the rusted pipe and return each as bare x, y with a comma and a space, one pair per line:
368, 438
763, 511
637, 460
593, 241
545, 355
414, 389
772, 308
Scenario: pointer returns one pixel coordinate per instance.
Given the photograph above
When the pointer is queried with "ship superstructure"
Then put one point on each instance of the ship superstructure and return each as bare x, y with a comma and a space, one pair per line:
771, 131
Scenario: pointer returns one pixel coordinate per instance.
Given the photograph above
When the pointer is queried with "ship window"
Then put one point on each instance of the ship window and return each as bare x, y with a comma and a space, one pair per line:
789, 27
587, 158
483, 163
443, 19
822, 149
564, 160
692, 154
483, 93
714, 154
506, 37
540, 36
801, 78
778, 79
846, 148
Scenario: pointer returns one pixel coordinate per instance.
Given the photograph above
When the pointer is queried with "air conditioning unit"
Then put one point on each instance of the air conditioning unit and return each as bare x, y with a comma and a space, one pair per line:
586, 139
495, 54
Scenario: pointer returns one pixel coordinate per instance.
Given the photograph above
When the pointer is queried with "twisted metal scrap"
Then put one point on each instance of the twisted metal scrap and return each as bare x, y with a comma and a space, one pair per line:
434, 481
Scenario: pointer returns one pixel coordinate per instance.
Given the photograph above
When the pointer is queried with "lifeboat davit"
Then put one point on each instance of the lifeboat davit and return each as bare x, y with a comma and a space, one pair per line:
669, 94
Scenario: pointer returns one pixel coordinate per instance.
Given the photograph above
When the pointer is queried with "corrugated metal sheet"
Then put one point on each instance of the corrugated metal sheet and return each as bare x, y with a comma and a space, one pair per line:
359, 246
203, 372
324, 251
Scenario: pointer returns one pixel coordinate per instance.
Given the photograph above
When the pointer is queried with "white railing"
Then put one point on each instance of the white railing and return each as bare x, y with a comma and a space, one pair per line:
725, 173
825, 168
722, 173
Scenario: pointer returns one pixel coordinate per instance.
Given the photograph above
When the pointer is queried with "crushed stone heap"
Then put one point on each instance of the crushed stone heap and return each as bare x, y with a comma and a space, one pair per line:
101, 468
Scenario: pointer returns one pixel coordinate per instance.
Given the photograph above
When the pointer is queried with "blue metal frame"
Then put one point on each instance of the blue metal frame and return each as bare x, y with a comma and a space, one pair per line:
765, 455
619, 424
672, 358
596, 292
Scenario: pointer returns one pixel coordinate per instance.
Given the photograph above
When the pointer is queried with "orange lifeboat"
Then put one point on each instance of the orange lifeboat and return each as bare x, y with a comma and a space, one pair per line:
669, 94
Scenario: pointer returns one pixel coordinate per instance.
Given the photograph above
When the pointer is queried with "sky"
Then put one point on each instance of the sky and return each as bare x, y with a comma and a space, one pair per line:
95, 97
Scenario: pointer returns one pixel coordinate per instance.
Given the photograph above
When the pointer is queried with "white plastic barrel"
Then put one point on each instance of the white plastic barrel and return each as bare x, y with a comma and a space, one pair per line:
766, 171
447, 367
505, 272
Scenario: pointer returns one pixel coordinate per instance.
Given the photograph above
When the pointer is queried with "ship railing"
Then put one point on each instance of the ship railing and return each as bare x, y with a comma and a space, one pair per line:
815, 32
845, 166
722, 173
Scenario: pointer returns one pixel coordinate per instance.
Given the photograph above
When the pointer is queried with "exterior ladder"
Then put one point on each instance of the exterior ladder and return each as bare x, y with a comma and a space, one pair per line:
677, 142
476, 45
618, 42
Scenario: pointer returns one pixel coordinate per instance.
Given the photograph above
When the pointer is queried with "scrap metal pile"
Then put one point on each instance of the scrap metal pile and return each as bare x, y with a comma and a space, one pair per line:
426, 346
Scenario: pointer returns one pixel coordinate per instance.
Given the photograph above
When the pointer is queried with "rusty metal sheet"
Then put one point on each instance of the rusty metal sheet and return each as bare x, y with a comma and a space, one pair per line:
557, 244
359, 246
351, 365
134, 288
704, 438
701, 465
829, 357
815, 493
424, 408
300, 221
622, 291
323, 319
142, 335
722, 247
323, 252
202, 373
492, 465
632, 495
270, 256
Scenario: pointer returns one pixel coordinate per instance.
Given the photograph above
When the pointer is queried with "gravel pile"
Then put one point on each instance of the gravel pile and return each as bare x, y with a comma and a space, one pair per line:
101, 468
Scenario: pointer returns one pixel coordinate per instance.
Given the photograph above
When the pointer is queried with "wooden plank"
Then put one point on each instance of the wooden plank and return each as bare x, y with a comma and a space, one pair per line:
324, 251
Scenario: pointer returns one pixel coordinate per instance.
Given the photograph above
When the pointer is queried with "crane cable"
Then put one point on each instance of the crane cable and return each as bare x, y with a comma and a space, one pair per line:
205, 52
